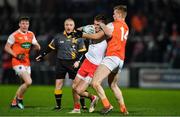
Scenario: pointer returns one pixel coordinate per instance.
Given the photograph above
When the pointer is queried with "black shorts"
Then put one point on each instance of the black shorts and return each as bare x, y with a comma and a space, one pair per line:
63, 67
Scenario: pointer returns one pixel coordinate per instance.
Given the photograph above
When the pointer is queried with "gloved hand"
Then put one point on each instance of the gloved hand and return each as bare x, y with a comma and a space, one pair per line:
21, 56
76, 34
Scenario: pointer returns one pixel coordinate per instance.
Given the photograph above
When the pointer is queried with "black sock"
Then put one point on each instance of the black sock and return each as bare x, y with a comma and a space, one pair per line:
58, 97
82, 101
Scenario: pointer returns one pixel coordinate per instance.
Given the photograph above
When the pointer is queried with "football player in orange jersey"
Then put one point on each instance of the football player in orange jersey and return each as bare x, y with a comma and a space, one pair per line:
112, 64
18, 45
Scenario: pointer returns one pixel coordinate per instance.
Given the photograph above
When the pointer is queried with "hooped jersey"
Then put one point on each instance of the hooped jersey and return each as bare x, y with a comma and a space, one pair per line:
21, 44
117, 43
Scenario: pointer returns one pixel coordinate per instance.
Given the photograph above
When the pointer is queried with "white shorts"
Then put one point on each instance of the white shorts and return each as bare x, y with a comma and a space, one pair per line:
86, 79
113, 63
21, 68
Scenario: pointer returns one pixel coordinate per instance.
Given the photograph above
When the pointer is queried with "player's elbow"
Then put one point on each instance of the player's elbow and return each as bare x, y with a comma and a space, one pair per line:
6, 48
38, 47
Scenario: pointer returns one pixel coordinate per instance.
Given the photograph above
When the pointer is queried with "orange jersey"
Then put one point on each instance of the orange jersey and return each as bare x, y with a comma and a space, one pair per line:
117, 43
21, 44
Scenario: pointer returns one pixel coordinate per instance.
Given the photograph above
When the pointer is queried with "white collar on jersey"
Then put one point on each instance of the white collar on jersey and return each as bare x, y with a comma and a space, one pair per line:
22, 32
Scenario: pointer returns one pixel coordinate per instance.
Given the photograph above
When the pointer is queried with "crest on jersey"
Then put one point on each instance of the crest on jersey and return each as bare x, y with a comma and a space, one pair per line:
19, 37
25, 37
26, 45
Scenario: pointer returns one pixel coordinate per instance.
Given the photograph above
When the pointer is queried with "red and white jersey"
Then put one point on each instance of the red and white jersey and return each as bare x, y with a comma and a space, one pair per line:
116, 44
96, 52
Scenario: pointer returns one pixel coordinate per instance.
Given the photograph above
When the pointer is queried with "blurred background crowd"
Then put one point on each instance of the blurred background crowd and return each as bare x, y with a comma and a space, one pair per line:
154, 26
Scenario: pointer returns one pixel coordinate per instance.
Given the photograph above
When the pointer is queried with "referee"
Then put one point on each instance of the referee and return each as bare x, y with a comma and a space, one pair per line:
69, 54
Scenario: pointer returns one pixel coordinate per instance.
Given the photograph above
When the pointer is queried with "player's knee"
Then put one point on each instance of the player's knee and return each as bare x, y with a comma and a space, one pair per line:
95, 85
78, 91
29, 82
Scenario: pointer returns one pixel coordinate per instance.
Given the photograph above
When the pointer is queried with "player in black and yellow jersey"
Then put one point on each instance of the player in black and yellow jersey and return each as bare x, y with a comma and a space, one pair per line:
69, 54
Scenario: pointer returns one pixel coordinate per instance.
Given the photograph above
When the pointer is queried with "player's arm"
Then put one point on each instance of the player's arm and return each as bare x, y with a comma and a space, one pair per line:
85, 28
80, 28
107, 29
9, 50
36, 44
95, 36
49, 48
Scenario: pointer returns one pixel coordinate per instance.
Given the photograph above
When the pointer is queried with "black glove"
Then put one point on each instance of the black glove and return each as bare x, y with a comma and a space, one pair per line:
76, 34
20, 56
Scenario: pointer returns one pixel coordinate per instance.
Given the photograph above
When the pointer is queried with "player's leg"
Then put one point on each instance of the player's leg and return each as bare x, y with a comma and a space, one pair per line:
113, 83
81, 90
24, 74
76, 97
108, 64
101, 73
72, 75
22, 89
81, 87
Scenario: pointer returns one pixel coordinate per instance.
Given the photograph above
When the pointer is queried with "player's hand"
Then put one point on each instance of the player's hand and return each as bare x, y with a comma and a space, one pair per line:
76, 64
39, 58
76, 34
20, 56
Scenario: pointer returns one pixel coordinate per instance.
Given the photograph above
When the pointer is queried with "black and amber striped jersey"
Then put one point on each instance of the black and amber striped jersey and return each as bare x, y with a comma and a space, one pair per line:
67, 48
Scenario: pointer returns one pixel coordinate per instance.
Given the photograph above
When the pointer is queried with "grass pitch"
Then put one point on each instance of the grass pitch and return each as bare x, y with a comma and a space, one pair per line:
39, 101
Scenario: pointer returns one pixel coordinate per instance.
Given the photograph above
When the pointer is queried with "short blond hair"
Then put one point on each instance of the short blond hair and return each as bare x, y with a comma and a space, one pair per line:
122, 9
69, 19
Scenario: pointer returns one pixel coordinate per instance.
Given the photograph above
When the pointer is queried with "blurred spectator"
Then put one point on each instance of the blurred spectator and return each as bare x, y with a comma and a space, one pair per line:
139, 22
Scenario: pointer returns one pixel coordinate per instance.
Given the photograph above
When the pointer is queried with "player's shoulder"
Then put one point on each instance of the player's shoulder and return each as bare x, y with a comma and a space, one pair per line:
123, 23
110, 25
30, 32
15, 33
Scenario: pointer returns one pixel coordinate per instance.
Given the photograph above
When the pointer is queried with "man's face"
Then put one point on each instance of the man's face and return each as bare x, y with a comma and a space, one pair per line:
69, 26
24, 25
116, 15
97, 26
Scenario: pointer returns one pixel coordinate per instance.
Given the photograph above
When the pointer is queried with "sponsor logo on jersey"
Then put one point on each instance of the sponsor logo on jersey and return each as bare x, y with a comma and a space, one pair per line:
26, 45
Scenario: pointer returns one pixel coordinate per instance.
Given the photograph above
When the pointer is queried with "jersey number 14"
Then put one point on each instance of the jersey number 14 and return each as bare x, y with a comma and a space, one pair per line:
124, 34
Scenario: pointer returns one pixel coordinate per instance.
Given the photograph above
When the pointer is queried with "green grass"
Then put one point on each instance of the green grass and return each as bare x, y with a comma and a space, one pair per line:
39, 100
